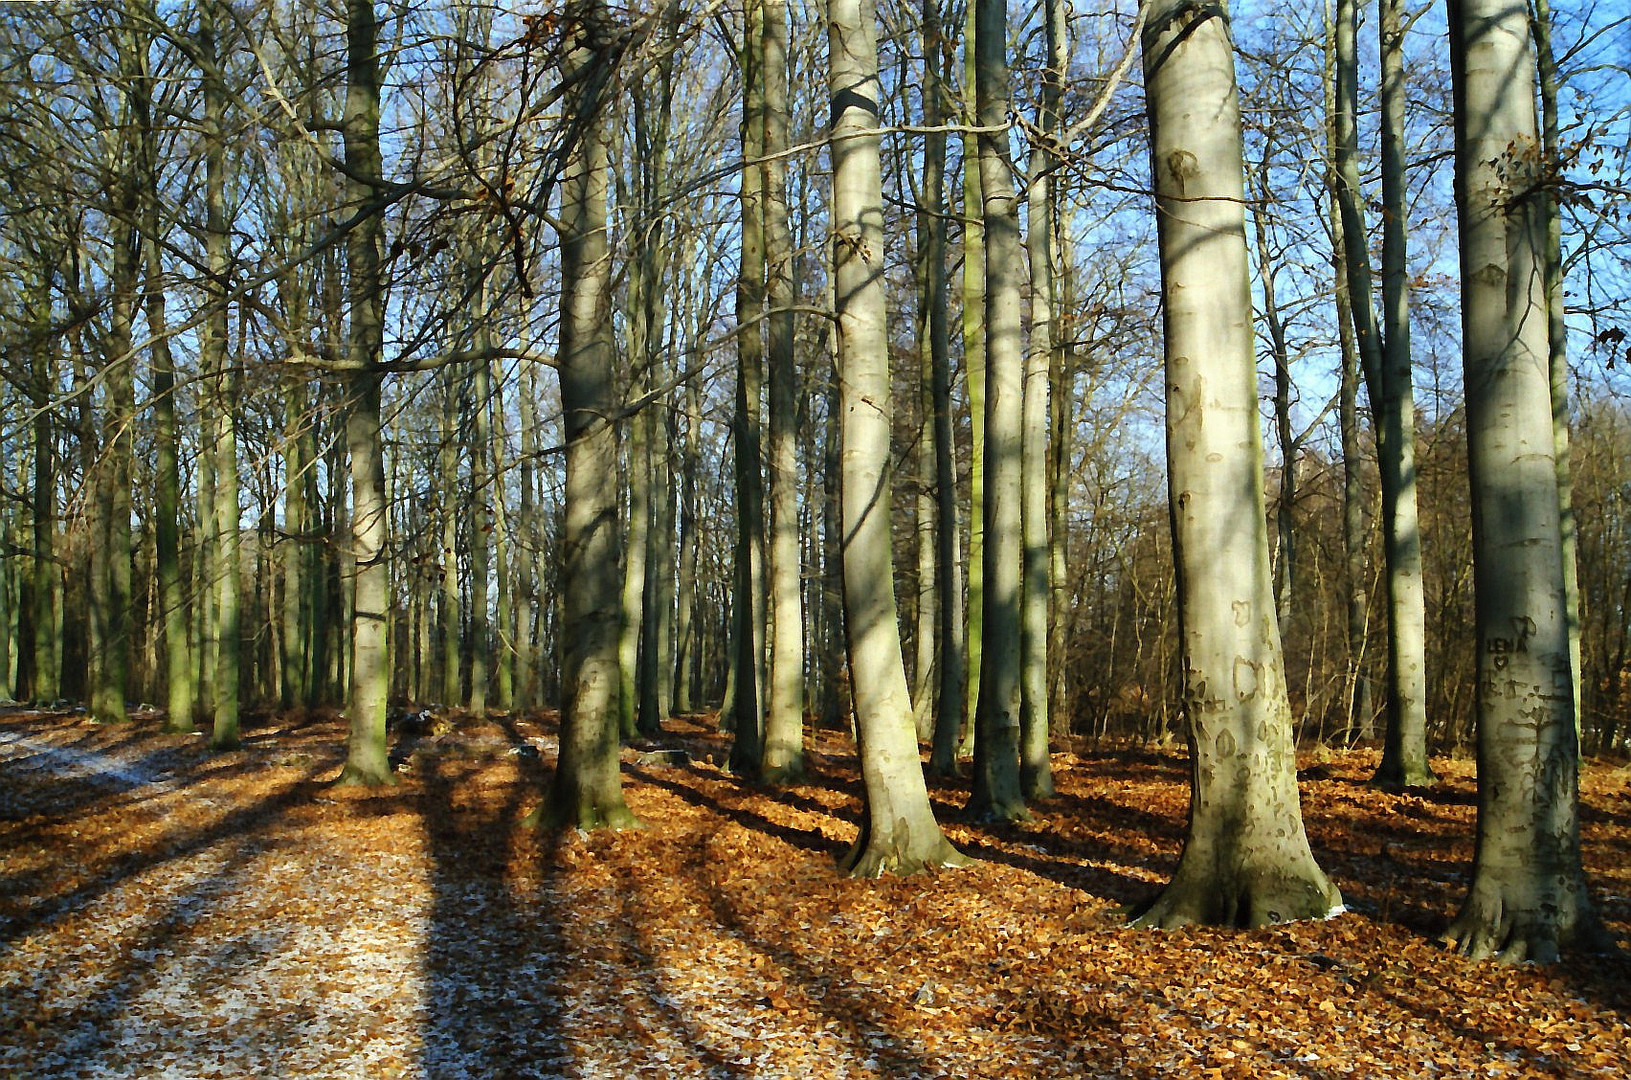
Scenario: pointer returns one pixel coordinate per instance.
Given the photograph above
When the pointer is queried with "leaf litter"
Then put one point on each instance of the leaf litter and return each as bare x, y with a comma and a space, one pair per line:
166, 911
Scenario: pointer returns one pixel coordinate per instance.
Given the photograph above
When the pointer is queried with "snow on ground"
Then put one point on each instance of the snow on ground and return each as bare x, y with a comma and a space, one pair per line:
170, 912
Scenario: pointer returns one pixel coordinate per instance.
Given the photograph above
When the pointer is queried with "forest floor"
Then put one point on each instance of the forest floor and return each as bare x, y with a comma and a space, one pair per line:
166, 911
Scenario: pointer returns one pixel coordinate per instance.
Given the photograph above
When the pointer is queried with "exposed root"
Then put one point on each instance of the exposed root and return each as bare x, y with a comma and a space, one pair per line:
875, 854
1489, 929
586, 817
1242, 904
356, 776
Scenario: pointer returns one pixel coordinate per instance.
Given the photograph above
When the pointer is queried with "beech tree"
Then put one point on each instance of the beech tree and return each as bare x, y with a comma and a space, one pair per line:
586, 791
898, 831
367, 760
1528, 896
783, 750
1384, 351
996, 790
1246, 860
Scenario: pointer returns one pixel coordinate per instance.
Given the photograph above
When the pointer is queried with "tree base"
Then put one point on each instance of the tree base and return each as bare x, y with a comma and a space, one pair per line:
874, 855
783, 775
1396, 777
582, 818
357, 776
223, 743
1037, 784
1241, 904
997, 811
1487, 928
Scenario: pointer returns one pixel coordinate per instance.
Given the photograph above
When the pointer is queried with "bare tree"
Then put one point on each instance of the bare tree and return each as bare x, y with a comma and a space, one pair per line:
1246, 860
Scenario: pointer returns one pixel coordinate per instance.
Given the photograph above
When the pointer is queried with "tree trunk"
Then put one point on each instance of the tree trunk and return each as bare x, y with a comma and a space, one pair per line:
170, 593
1357, 682
448, 483
1285, 570
687, 635
297, 579
46, 659
527, 640
837, 708
1557, 337
1385, 355
637, 470
367, 760
224, 528
1036, 770
949, 705
480, 513
996, 794
1062, 374
1528, 897
929, 272
747, 743
974, 337
504, 602
783, 753
898, 831
111, 536
586, 792
1246, 860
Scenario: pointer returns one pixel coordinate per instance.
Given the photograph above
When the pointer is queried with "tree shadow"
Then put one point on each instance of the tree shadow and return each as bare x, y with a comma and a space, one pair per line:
811, 840
494, 962
862, 1024
39, 913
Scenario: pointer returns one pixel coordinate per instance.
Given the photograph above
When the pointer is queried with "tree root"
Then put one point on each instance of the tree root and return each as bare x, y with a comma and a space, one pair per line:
355, 776
1243, 906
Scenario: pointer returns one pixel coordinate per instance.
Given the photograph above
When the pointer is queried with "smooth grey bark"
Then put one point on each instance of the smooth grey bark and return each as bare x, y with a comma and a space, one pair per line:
206, 625
367, 759
225, 529
636, 462
480, 512
586, 792
783, 751
299, 578
528, 691
996, 793
945, 698
1062, 374
1385, 355
655, 674
452, 618
837, 708
1357, 686
747, 719
926, 269
898, 831
9, 592
504, 601
179, 671
1557, 337
686, 633
1036, 592
1285, 569
45, 576
1528, 898
974, 338
951, 704
169, 585
1246, 860
109, 592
